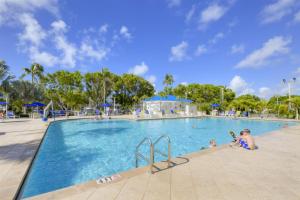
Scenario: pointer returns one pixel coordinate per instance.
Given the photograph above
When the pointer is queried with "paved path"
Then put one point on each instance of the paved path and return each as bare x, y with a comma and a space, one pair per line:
272, 172
19, 140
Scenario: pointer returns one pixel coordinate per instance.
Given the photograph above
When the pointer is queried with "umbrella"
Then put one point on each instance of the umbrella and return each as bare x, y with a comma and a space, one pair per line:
215, 105
3, 103
35, 104
105, 105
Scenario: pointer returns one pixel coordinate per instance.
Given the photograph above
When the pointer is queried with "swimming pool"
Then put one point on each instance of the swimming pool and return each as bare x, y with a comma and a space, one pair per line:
77, 151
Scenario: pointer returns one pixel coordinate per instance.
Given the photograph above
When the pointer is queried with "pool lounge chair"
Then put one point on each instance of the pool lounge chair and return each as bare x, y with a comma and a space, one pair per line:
238, 114
10, 115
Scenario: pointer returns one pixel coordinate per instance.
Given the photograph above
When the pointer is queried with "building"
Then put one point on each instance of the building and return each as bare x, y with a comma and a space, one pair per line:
160, 106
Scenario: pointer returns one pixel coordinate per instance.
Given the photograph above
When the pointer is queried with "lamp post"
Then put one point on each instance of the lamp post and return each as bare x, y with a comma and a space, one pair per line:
289, 84
222, 95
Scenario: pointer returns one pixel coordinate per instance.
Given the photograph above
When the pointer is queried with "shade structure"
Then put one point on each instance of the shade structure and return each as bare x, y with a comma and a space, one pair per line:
34, 104
105, 105
39, 104
215, 105
168, 98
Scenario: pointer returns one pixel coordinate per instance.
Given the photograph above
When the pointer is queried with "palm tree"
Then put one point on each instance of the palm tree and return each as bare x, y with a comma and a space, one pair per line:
35, 70
3, 70
169, 80
107, 83
5, 76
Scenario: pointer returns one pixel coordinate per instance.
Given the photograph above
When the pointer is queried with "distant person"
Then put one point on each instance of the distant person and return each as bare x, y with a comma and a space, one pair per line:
246, 140
97, 112
2, 115
212, 143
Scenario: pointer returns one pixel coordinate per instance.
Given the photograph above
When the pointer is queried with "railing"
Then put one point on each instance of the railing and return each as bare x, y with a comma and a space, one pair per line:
168, 156
139, 155
151, 158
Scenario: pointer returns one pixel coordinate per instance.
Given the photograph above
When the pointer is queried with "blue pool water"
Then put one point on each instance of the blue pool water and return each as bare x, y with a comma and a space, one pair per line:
77, 151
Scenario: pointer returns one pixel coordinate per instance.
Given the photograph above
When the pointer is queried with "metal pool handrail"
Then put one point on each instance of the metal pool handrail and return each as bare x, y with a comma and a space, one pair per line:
139, 155
161, 153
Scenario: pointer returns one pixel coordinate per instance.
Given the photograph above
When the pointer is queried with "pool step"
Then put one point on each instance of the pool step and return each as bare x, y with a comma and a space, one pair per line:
151, 159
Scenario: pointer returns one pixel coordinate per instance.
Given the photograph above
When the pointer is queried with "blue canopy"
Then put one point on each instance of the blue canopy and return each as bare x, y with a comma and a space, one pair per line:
105, 105
35, 104
168, 98
3, 103
215, 105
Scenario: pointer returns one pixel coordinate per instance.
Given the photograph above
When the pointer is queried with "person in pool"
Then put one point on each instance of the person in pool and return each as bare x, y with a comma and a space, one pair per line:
212, 143
246, 140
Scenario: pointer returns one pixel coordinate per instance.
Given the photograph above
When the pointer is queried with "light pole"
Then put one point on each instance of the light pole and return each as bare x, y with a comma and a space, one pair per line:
222, 95
289, 83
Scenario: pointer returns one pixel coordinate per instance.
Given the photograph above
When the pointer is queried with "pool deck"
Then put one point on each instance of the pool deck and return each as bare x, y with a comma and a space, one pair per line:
271, 172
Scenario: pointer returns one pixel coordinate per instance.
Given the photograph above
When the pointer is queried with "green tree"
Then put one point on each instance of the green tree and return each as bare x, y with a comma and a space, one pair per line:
131, 89
65, 89
203, 95
35, 71
22, 90
168, 82
295, 100
4, 70
5, 77
99, 85
247, 103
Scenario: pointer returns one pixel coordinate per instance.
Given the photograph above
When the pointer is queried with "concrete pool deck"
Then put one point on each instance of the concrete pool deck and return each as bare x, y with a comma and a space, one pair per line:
271, 172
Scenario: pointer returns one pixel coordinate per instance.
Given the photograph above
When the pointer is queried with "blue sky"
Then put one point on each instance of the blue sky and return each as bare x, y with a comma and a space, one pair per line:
249, 46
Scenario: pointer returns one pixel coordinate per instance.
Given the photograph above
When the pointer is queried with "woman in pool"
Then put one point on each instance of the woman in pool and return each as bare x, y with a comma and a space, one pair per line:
246, 140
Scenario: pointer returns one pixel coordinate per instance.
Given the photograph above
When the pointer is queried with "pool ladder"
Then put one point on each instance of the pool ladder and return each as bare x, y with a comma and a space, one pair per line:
152, 145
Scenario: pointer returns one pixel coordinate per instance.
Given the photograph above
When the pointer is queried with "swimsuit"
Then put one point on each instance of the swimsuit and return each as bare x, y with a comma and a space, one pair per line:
244, 144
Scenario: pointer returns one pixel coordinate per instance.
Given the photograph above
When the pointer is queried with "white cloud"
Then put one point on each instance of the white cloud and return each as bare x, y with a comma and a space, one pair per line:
151, 79
59, 26
297, 17
179, 52
139, 69
216, 38
240, 86
173, 3
103, 28
275, 46
265, 92
43, 57
10, 10
33, 32
298, 71
276, 11
201, 49
212, 13
184, 83
125, 32
237, 48
87, 50
68, 49
190, 14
